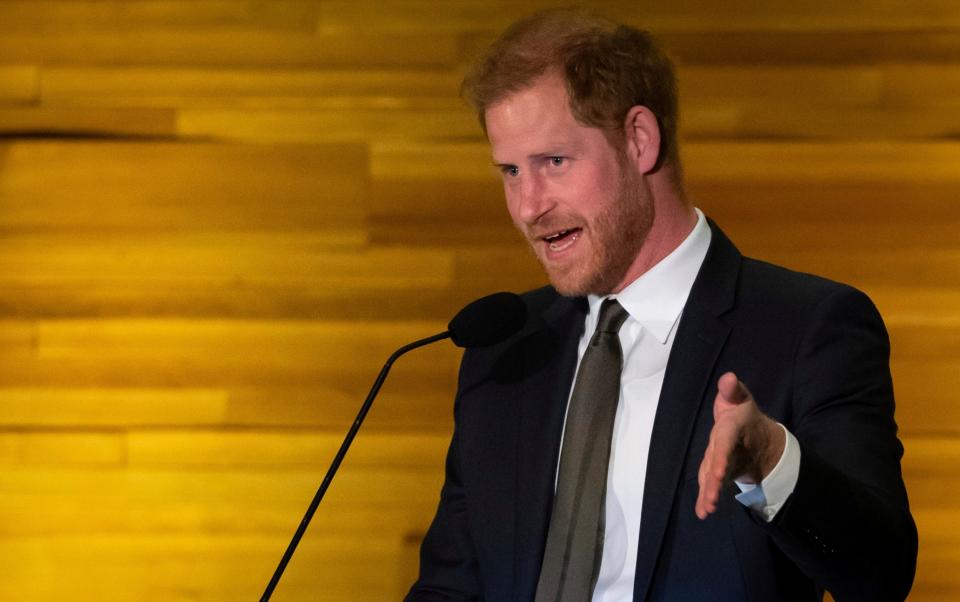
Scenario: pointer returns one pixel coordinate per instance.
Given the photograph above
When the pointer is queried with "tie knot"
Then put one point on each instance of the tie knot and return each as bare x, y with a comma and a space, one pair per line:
612, 316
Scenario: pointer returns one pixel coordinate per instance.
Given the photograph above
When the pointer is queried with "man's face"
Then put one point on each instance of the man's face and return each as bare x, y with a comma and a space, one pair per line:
582, 207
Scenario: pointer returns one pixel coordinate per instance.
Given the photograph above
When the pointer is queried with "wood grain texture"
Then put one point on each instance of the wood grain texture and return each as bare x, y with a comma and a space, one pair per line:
18, 84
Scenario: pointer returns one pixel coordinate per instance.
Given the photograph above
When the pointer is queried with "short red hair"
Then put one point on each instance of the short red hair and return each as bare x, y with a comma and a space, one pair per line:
608, 68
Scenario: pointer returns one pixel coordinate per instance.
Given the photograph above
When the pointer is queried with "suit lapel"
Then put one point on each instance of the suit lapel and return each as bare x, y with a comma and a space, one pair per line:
700, 338
550, 361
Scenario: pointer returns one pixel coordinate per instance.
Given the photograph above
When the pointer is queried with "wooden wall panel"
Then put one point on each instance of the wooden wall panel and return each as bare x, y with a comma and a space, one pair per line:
18, 83
226, 86
58, 16
241, 47
26, 121
217, 218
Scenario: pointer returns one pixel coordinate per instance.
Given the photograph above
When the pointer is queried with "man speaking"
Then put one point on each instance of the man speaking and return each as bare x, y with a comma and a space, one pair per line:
675, 422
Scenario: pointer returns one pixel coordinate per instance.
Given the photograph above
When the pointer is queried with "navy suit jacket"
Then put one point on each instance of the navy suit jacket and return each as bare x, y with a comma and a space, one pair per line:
815, 355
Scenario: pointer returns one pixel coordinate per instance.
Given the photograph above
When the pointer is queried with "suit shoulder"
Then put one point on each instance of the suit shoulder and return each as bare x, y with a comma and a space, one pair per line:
769, 283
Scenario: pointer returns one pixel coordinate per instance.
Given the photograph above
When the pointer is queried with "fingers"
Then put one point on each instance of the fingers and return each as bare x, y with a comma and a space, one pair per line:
709, 493
731, 390
729, 419
714, 467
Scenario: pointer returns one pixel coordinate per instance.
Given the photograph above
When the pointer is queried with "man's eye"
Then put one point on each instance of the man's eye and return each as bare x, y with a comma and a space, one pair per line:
510, 170
556, 161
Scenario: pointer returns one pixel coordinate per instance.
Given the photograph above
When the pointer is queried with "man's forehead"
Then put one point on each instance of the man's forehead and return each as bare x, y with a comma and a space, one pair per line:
536, 116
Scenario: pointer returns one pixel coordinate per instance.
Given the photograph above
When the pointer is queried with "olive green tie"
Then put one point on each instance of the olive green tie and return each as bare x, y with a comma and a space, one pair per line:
575, 539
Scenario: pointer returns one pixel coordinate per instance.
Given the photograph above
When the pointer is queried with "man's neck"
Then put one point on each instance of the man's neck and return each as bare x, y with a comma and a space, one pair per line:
674, 218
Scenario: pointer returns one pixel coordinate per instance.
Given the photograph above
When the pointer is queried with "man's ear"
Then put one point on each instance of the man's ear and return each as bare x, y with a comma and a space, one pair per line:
643, 138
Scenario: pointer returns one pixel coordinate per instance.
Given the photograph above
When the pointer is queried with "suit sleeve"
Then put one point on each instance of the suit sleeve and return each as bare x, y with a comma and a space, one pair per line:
847, 524
448, 565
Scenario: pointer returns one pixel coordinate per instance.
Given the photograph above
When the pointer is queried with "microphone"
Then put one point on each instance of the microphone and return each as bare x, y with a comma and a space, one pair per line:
488, 320
484, 322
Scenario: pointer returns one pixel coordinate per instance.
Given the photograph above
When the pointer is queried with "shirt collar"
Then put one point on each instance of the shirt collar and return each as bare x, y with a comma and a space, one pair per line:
657, 297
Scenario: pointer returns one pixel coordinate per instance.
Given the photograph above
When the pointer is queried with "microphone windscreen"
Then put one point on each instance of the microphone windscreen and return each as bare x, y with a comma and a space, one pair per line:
488, 320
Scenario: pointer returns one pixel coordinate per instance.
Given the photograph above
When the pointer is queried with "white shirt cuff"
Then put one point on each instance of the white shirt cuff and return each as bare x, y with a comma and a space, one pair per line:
771, 494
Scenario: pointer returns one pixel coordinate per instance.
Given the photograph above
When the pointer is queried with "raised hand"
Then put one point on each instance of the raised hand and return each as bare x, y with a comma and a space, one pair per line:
745, 444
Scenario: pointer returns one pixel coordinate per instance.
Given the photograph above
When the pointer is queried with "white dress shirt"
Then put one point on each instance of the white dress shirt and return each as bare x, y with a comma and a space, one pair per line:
655, 303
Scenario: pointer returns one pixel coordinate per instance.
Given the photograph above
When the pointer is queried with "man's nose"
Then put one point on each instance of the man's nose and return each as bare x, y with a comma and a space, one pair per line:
533, 200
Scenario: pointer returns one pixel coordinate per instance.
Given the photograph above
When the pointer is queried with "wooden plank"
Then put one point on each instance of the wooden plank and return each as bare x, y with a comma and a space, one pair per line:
241, 299
439, 200
925, 398
85, 408
216, 353
112, 122
403, 405
18, 334
354, 517
445, 16
788, 122
238, 87
936, 337
816, 15
449, 161
919, 305
162, 337
180, 568
23, 450
910, 85
58, 16
256, 502
930, 467
230, 275
179, 186
313, 260
240, 47
846, 85
873, 202
876, 162
301, 450
456, 232
19, 83
699, 15
339, 125
783, 46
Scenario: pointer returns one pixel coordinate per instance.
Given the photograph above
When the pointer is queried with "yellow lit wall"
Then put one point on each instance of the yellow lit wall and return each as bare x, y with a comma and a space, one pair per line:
217, 218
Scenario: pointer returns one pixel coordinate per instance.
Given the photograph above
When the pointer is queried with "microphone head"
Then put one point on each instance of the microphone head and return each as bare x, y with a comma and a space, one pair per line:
488, 320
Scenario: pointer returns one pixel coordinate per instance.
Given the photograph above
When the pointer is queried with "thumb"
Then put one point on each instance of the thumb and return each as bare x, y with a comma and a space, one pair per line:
731, 390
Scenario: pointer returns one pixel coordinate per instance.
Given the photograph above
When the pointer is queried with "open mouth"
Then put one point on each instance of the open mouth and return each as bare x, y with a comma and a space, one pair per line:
561, 240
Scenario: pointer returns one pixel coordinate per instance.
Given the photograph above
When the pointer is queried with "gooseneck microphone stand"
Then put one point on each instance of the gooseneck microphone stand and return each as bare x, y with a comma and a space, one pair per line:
339, 458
